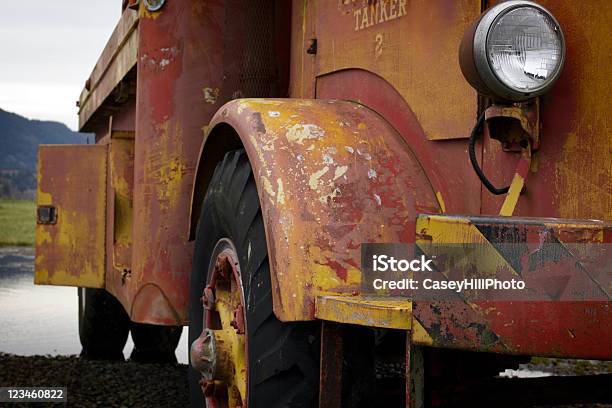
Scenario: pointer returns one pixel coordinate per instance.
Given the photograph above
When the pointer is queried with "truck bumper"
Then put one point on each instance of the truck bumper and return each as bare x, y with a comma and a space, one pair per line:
567, 260
571, 259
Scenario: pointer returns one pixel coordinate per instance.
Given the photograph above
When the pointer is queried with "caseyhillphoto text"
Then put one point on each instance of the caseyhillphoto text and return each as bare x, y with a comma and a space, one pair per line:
454, 285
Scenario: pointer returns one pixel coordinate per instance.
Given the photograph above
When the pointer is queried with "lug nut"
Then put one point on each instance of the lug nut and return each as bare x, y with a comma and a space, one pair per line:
203, 354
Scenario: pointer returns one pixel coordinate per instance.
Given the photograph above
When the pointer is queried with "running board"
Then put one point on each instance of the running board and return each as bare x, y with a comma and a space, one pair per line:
388, 313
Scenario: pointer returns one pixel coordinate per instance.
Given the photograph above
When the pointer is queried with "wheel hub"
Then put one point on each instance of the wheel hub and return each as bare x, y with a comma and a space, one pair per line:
219, 353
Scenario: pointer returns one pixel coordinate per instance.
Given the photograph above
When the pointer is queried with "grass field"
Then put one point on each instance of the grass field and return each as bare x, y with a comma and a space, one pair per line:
17, 222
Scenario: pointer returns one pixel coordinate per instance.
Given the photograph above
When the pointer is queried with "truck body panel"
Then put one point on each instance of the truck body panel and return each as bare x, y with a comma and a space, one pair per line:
70, 228
374, 134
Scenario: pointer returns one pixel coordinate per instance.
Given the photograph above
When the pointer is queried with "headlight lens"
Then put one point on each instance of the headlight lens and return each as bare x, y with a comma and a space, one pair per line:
514, 52
525, 48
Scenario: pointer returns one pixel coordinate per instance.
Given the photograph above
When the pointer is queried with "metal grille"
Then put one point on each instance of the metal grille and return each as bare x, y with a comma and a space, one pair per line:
258, 75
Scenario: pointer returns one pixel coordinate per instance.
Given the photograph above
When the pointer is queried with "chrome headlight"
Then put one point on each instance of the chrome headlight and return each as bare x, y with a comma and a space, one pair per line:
514, 52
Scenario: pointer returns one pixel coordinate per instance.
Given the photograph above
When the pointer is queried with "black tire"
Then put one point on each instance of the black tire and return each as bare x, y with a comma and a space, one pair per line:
283, 358
154, 344
103, 325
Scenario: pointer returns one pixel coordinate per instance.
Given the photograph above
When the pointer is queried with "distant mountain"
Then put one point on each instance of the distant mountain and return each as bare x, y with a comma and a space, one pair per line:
19, 140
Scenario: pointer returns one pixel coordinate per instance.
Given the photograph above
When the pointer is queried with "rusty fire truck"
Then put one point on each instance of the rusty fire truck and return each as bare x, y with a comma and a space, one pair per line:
246, 149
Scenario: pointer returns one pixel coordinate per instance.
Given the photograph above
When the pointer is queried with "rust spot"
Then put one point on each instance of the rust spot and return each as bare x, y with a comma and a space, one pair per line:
338, 268
258, 122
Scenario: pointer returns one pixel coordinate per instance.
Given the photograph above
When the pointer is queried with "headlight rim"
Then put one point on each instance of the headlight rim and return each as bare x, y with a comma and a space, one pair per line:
498, 89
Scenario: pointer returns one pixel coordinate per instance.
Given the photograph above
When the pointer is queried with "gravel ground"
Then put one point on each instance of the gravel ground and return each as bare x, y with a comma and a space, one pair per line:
130, 384
99, 383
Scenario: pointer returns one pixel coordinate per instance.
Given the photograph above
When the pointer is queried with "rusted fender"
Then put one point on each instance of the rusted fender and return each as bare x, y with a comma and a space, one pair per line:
330, 175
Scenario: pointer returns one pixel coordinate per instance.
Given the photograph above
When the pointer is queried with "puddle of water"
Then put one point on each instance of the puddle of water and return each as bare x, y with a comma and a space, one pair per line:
37, 319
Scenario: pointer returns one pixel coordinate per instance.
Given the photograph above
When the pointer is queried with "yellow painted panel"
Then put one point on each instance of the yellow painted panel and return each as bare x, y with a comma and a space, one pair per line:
71, 250
365, 311
420, 335
434, 230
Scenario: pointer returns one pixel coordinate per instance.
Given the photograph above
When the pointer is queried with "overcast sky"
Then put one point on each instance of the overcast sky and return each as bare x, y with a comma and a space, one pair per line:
47, 51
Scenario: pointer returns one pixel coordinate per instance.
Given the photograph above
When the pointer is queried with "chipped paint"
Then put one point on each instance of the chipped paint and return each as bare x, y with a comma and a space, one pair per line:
210, 95
340, 171
280, 195
268, 187
314, 178
327, 198
171, 179
298, 133
378, 200
504, 326
71, 252
398, 53
318, 198
365, 311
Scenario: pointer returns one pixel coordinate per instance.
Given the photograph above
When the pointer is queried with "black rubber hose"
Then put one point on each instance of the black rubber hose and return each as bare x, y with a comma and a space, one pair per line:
473, 136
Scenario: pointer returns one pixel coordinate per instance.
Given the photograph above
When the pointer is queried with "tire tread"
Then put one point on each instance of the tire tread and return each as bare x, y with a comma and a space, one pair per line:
231, 208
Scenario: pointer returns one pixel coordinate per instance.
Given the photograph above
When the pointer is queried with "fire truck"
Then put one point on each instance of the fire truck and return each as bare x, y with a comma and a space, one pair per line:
247, 150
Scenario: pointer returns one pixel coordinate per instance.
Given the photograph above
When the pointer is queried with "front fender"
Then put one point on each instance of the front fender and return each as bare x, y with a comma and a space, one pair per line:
330, 175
